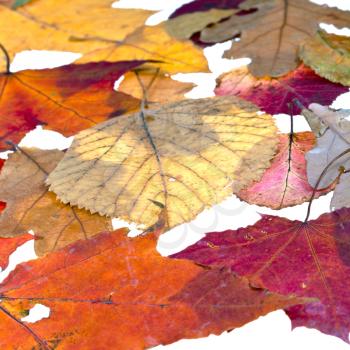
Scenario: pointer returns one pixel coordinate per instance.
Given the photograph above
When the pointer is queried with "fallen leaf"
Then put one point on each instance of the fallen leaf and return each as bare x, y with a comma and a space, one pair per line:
334, 141
285, 183
271, 36
29, 205
187, 156
307, 259
329, 56
152, 43
113, 292
275, 95
9, 245
65, 99
162, 88
47, 25
183, 27
205, 5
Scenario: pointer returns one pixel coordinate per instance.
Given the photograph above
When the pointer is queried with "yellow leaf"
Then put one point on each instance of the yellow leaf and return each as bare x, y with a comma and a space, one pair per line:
179, 158
29, 205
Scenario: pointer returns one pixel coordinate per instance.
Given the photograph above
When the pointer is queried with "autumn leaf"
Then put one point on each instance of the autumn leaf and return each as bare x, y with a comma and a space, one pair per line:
65, 99
185, 156
47, 25
152, 43
183, 27
205, 5
334, 141
29, 205
275, 95
309, 259
9, 245
13, 3
285, 183
271, 36
158, 87
329, 56
145, 299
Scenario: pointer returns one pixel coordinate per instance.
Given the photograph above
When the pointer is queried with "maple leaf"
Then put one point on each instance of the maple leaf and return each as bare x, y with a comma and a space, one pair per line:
329, 56
46, 25
65, 99
29, 205
277, 94
308, 259
331, 153
285, 182
151, 43
286, 24
9, 245
183, 157
146, 299
157, 87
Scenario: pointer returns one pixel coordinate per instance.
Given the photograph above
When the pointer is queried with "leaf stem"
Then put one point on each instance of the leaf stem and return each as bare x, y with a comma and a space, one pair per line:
321, 177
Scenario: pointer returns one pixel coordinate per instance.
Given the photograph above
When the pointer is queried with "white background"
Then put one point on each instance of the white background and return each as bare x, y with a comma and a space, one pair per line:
271, 332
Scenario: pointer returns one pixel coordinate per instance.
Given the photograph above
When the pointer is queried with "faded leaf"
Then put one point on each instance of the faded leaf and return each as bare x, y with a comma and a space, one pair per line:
274, 95
334, 141
186, 156
9, 245
285, 183
163, 88
29, 205
271, 36
153, 43
329, 56
48, 25
145, 299
65, 99
184, 26
307, 259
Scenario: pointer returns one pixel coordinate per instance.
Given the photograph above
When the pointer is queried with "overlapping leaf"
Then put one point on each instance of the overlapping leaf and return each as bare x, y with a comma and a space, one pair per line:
181, 157
285, 182
47, 25
277, 95
309, 259
65, 99
334, 141
271, 36
329, 56
29, 205
145, 299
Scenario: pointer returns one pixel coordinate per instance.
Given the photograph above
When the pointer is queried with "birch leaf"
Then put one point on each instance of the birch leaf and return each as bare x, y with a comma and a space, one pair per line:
271, 36
329, 56
29, 205
333, 141
181, 157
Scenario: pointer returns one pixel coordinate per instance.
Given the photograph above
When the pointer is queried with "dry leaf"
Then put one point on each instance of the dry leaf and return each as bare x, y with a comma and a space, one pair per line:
329, 56
29, 205
113, 292
334, 140
9, 245
184, 26
153, 43
159, 87
271, 36
48, 25
184, 156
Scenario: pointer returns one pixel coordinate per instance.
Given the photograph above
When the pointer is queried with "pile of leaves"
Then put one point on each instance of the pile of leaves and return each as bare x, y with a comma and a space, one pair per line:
145, 154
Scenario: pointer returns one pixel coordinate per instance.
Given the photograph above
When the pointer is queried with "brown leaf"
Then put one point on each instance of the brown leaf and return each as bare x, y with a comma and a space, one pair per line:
29, 205
187, 156
271, 36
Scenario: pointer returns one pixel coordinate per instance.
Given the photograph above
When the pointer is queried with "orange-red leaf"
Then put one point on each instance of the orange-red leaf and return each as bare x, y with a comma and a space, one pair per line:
309, 259
285, 182
65, 99
113, 292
